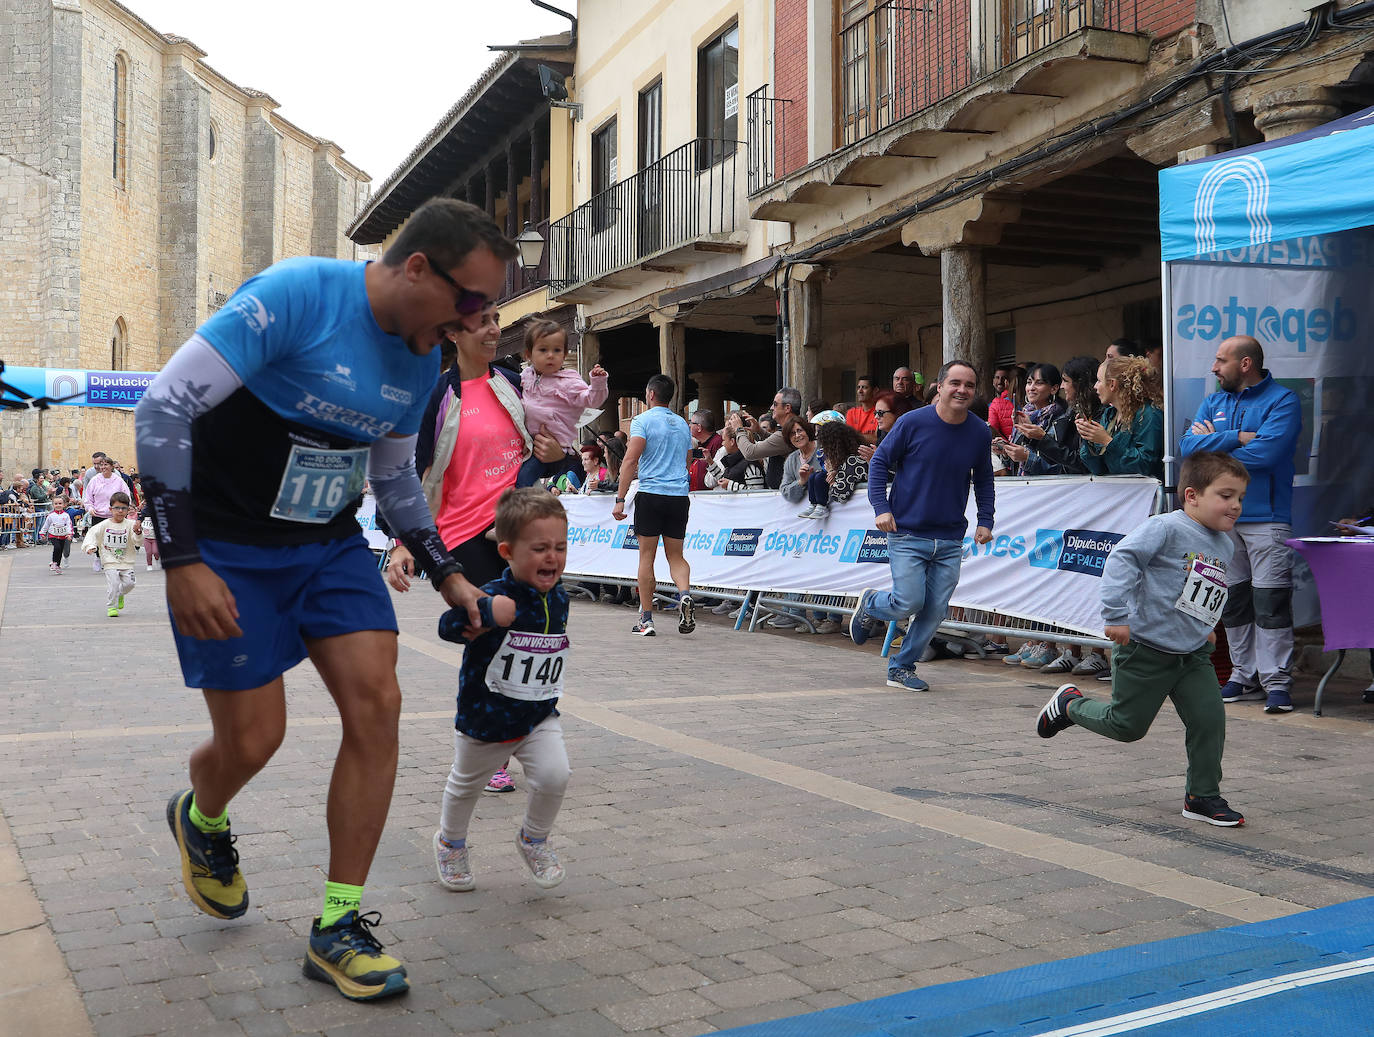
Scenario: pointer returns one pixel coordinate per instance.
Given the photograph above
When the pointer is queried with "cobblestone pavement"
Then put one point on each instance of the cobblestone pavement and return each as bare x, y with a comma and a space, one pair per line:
757, 827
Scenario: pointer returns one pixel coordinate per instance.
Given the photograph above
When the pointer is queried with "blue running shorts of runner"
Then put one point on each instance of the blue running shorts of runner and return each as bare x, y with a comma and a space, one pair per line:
286, 595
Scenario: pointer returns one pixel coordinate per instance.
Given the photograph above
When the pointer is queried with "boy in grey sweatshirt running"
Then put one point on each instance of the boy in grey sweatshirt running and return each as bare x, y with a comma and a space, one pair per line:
1163, 590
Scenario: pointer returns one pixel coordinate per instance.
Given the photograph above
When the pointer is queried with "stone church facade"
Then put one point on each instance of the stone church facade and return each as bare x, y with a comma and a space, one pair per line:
138, 188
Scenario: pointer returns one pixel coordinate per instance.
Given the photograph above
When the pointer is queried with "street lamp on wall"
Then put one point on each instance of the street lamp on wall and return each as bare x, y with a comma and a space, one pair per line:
531, 246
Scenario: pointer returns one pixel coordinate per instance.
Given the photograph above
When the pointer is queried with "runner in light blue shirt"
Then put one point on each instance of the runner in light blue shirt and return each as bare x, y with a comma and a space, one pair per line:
658, 453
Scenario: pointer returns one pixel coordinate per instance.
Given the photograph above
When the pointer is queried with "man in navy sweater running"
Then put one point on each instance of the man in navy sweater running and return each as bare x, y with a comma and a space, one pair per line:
931, 456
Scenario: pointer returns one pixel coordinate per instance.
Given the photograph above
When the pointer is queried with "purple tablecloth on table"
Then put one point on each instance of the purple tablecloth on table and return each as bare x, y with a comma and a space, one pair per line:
1344, 571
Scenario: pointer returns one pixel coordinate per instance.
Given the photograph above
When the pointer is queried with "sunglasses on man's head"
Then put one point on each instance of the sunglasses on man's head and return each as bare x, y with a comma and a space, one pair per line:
467, 302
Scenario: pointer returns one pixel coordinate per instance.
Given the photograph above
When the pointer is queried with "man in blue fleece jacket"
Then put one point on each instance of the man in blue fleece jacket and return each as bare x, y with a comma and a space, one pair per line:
1256, 421
931, 457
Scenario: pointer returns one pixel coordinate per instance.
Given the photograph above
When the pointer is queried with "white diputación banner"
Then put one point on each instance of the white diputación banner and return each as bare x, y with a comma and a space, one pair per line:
1050, 539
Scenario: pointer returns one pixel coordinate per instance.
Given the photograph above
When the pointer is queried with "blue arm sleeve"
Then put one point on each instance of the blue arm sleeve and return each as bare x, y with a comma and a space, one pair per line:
401, 501
453, 623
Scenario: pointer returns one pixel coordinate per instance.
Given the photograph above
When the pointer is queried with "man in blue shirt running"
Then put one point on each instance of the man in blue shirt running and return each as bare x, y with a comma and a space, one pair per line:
318, 370
931, 456
658, 453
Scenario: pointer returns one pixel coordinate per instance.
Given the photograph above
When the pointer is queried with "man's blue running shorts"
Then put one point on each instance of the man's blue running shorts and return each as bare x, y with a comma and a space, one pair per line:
286, 595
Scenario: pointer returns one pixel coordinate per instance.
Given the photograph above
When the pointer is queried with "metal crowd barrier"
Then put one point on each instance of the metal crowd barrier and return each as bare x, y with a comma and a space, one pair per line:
763, 603
20, 523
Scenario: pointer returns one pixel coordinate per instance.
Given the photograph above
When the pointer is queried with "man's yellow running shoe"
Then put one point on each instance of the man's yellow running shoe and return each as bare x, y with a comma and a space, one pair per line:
349, 956
209, 862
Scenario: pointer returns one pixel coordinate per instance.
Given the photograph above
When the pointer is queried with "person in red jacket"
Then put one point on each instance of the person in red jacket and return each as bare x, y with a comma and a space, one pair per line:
1002, 410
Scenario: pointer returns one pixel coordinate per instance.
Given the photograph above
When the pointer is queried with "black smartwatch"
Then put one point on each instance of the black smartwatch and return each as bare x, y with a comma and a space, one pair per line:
444, 572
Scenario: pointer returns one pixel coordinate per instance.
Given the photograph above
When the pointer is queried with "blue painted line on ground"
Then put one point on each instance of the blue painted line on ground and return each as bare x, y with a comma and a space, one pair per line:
1040, 999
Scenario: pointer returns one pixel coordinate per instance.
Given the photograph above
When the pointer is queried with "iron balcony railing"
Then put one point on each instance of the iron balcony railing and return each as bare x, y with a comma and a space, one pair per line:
687, 195
519, 280
767, 136
906, 55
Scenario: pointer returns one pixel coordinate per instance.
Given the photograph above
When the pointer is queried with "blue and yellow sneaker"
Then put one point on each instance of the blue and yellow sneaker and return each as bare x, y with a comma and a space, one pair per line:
349, 956
209, 862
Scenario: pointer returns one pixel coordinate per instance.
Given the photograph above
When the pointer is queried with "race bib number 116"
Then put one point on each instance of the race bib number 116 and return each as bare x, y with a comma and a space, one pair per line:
318, 484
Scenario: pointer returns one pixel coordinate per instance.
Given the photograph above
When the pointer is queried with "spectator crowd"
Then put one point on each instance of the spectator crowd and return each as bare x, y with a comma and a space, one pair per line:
32, 508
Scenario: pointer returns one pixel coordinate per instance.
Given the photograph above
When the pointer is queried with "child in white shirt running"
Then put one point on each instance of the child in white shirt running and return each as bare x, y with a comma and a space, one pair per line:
116, 539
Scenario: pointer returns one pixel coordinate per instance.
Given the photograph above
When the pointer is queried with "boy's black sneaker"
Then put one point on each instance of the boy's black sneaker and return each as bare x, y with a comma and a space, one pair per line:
1212, 809
1055, 716
686, 611
209, 863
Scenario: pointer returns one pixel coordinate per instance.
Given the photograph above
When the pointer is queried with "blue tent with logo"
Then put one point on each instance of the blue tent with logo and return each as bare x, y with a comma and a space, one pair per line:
1277, 241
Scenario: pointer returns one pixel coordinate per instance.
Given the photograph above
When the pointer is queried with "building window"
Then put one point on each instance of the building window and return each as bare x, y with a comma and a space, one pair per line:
718, 97
212, 145
604, 175
119, 345
869, 34
650, 125
1004, 345
651, 175
1029, 25
120, 168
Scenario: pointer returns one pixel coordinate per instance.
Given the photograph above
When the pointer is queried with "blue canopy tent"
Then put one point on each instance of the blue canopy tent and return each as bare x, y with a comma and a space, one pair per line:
1277, 241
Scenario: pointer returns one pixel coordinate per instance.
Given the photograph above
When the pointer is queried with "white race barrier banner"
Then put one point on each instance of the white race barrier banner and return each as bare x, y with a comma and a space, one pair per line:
1050, 539
367, 518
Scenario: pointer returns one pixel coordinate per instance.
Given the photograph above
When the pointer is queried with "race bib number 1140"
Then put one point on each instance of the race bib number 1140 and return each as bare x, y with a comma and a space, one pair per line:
529, 666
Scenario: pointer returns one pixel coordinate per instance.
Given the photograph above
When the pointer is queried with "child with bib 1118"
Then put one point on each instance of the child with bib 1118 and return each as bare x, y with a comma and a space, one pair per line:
1163, 591
508, 688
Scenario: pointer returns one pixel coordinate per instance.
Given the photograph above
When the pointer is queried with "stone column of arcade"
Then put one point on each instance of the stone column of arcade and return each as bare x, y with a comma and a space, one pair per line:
1294, 109
712, 387
672, 358
804, 324
963, 290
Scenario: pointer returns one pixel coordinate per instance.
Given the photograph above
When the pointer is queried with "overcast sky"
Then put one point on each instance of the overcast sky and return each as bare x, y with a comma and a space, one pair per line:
372, 76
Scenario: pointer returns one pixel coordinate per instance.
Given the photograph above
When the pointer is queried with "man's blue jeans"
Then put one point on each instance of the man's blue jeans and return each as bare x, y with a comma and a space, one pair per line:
924, 574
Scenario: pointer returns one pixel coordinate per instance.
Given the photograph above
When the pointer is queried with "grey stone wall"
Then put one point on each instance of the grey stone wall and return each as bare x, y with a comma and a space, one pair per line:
25, 83
183, 212
40, 204
80, 250
326, 216
261, 149
63, 320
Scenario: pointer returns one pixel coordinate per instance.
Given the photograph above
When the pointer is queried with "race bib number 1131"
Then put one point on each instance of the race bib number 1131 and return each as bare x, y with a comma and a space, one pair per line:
1204, 592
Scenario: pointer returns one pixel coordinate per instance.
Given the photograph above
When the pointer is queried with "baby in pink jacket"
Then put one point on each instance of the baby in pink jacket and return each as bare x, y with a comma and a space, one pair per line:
554, 398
